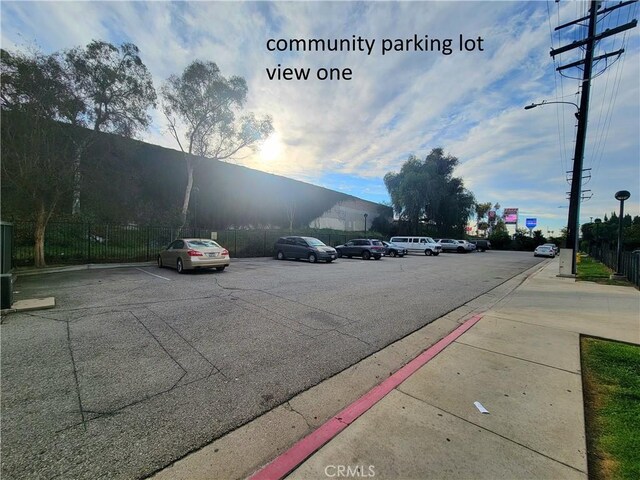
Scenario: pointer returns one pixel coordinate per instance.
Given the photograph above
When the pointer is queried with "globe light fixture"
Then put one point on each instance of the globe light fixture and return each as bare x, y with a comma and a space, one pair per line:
621, 196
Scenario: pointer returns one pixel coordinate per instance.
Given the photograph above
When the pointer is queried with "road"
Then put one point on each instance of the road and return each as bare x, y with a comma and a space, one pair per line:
136, 367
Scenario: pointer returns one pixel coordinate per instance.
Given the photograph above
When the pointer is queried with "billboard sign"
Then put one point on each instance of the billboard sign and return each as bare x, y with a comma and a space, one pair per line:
531, 222
510, 215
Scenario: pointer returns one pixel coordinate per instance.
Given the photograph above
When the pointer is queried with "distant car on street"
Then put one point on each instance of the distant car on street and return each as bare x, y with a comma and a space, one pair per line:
553, 246
361, 247
308, 248
544, 251
393, 250
194, 253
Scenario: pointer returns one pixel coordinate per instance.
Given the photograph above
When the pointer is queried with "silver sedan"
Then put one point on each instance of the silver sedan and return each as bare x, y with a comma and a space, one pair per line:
544, 251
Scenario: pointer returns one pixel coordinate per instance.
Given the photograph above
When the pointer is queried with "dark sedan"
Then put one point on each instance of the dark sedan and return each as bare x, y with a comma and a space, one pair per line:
361, 247
393, 250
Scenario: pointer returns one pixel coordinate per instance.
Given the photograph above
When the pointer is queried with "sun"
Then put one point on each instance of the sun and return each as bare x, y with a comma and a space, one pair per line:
271, 148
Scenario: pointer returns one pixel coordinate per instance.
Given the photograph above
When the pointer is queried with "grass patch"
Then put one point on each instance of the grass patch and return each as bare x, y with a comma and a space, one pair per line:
611, 379
591, 270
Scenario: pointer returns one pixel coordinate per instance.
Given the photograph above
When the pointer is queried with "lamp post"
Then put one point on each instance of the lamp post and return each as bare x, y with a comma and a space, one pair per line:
573, 222
544, 102
365, 224
621, 196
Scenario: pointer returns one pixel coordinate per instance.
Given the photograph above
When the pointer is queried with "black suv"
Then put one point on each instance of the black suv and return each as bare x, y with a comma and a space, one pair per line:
482, 245
361, 247
308, 248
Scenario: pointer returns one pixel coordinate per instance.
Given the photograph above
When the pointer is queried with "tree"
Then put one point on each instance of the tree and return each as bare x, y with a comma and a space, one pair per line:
290, 208
427, 192
500, 226
35, 143
499, 236
201, 107
538, 238
631, 235
607, 231
482, 209
407, 191
116, 91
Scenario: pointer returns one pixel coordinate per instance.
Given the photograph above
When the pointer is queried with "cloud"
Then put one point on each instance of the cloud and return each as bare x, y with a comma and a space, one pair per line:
348, 134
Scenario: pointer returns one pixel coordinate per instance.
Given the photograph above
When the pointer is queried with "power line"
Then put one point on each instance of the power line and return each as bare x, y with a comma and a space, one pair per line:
589, 43
561, 138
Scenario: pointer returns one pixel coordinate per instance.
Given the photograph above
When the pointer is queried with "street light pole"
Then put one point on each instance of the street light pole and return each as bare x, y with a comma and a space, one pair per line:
573, 222
621, 196
544, 102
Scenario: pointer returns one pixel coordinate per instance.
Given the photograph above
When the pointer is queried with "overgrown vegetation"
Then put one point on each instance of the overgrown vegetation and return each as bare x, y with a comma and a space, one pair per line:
611, 378
43, 97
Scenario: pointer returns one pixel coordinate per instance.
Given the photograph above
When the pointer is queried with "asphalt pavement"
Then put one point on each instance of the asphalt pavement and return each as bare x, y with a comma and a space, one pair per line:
521, 361
137, 366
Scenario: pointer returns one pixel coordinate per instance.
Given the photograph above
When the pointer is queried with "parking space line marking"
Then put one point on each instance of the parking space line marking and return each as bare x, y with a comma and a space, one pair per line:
286, 462
153, 274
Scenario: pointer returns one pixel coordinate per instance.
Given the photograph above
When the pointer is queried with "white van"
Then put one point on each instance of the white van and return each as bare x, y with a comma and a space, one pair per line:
426, 245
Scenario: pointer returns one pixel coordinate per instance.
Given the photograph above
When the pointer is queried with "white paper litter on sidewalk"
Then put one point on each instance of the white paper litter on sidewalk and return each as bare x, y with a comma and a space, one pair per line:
480, 407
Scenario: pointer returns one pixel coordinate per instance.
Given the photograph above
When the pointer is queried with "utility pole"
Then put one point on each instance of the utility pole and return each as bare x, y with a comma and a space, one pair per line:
573, 225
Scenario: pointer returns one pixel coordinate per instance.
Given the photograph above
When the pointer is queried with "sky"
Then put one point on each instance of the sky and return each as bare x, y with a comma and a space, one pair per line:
347, 134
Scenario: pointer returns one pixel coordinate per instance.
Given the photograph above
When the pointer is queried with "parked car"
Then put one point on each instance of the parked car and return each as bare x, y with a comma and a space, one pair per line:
544, 251
555, 248
308, 248
361, 247
426, 245
468, 246
393, 250
482, 245
452, 245
192, 253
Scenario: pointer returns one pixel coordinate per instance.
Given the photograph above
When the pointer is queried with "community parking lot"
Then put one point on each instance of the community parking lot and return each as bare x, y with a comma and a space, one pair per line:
138, 366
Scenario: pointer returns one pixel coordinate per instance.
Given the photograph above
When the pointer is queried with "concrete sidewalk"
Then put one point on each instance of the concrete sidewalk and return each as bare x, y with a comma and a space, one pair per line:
522, 363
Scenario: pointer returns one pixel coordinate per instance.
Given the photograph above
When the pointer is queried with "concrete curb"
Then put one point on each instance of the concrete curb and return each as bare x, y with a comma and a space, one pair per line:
76, 268
286, 462
31, 304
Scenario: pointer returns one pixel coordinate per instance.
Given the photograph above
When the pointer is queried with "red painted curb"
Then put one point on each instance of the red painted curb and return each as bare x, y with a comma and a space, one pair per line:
303, 449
